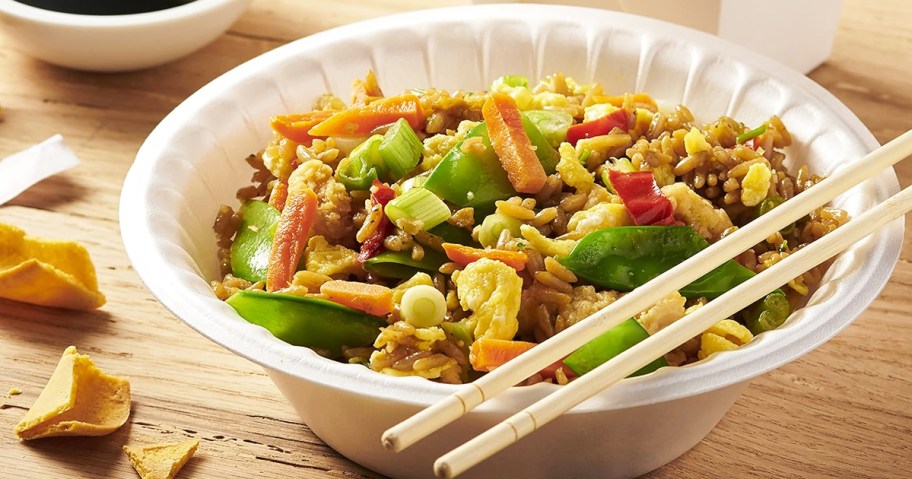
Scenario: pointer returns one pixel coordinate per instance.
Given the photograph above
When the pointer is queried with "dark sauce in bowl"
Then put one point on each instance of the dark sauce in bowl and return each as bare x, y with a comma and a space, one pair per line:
104, 7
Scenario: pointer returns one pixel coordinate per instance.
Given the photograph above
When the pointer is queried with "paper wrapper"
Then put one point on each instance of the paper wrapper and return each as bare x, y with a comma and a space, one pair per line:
21, 170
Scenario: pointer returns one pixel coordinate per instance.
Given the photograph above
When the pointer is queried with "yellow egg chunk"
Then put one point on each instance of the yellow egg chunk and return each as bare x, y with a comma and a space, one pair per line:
49, 273
78, 400
160, 461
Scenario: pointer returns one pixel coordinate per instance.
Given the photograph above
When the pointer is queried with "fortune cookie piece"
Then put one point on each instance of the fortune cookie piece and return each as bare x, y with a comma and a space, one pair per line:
160, 461
48, 273
78, 400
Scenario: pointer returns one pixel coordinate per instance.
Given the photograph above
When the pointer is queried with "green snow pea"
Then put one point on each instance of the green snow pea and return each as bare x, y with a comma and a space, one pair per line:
253, 242
611, 343
399, 264
625, 257
319, 324
477, 180
453, 234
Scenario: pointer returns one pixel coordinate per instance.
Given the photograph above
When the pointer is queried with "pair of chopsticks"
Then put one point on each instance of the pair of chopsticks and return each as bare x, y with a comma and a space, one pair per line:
533, 417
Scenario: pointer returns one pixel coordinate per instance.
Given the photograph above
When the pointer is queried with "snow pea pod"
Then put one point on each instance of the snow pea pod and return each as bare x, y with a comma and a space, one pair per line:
608, 345
253, 241
321, 325
399, 264
472, 177
625, 257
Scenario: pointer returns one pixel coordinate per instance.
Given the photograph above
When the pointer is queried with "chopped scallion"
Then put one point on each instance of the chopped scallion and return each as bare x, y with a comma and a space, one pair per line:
364, 165
750, 135
401, 149
493, 225
418, 204
423, 306
515, 80
553, 124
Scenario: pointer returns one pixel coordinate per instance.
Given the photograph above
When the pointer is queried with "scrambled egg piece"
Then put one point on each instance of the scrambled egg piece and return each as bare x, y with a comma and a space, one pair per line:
547, 246
320, 257
521, 95
599, 110
666, 311
725, 335
571, 171
602, 215
492, 291
697, 212
78, 400
584, 302
403, 339
755, 184
334, 215
548, 99
664, 175
160, 461
59, 274
424, 338
695, 142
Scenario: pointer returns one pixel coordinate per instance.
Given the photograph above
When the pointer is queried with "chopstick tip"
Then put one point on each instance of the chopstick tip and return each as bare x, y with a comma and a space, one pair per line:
442, 470
391, 441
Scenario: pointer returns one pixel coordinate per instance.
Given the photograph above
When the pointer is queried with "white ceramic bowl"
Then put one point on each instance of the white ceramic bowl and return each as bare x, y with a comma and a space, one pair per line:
117, 42
193, 161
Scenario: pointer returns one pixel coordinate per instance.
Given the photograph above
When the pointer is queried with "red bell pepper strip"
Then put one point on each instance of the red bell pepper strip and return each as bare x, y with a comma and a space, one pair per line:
372, 246
642, 197
601, 126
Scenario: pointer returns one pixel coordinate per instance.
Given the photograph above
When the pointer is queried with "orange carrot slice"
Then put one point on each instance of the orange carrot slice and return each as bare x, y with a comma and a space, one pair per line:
487, 354
466, 254
290, 238
295, 126
371, 298
361, 120
512, 145
279, 195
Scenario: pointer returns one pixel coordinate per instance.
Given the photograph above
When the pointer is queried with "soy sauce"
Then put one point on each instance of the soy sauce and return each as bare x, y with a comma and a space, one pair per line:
104, 7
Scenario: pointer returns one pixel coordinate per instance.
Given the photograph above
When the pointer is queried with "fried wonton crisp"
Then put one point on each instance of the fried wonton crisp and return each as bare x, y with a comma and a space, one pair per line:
49, 273
160, 461
78, 400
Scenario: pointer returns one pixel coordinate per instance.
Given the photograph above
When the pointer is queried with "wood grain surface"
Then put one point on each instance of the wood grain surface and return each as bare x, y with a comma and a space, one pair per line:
844, 410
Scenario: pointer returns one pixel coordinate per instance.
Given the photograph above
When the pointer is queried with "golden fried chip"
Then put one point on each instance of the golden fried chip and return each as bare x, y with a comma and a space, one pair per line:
160, 461
49, 273
78, 400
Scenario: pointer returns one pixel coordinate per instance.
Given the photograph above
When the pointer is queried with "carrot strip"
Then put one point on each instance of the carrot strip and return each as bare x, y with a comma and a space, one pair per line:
362, 120
466, 254
512, 144
295, 126
290, 238
487, 354
371, 298
279, 195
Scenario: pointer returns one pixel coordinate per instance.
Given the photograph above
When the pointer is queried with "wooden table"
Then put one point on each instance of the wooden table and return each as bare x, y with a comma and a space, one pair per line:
844, 410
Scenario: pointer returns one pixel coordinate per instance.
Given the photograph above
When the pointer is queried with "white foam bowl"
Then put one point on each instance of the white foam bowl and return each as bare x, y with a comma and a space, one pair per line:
117, 42
193, 161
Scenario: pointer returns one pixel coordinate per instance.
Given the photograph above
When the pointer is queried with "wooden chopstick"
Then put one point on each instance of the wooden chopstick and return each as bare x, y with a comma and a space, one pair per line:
538, 414
560, 345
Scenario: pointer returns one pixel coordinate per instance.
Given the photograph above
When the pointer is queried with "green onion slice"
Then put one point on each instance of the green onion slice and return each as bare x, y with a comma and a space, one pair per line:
418, 204
401, 149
